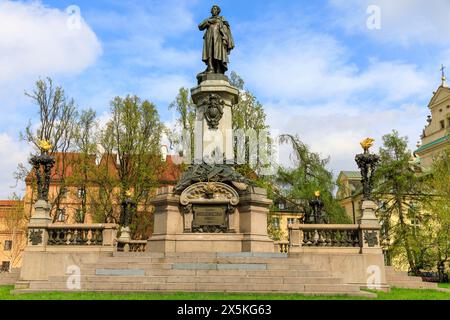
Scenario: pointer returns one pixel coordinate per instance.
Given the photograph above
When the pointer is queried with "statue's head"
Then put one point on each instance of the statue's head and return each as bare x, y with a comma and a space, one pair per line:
215, 10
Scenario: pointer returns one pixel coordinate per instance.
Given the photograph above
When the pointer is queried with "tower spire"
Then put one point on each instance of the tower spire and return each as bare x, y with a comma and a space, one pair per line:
443, 78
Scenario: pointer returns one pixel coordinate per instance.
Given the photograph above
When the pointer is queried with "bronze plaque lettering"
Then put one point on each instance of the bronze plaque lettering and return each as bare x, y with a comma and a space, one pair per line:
209, 215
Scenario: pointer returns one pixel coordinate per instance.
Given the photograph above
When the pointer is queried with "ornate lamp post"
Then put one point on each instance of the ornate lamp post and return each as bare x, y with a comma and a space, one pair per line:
367, 163
42, 165
126, 216
317, 208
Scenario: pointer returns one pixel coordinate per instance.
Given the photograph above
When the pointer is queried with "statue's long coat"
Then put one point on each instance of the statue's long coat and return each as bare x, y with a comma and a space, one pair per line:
213, 46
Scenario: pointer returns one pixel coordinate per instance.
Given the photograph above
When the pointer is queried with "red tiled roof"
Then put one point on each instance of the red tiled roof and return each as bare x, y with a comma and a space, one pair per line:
7, 206
169, 173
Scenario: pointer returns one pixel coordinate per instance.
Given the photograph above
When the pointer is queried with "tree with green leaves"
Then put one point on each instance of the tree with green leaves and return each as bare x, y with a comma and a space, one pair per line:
57, 119
132, 140
399, 189
185, 123
297, 185
83, 165
437, 208
249, 120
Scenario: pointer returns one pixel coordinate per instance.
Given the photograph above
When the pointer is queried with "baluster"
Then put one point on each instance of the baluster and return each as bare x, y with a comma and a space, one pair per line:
355, 238
85, 239
98, 237
305, 238
65, 236
338, 238
51, 237
327, 237
69, 237
78, 237
320, 241
351, 238
333, 238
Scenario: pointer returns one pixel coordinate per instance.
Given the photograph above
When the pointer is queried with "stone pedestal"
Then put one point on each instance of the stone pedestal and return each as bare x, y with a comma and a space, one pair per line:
213, 130
370, 228
41, 213
37, 235
247, 226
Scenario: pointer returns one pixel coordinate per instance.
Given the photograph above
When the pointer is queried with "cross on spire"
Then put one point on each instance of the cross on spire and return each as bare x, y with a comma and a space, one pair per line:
443, 78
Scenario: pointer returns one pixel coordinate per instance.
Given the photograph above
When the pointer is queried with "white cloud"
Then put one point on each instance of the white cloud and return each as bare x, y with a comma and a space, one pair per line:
162, 87
12, 153
403, 22
335, 130
36, 41
306, 66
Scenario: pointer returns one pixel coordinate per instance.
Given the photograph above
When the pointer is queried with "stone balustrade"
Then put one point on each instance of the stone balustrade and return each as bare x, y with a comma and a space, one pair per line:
281, 246
333, 235
132, 245
72, 235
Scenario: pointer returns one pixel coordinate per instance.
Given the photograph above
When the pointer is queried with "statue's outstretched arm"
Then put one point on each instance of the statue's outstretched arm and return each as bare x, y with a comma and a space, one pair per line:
203, 25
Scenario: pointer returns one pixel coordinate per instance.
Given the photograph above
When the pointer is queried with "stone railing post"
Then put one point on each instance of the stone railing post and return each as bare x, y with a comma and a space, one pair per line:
295, 236
37, 235
369, 228
109, 234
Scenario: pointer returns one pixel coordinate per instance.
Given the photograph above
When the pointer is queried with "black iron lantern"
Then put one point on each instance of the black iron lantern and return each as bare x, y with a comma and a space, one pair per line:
367, 163
42, 165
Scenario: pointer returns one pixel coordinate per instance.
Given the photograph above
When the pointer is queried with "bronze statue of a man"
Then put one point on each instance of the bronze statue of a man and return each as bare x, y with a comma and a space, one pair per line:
217, 42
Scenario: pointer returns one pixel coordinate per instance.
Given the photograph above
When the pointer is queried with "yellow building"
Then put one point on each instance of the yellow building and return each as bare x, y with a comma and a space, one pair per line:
12, 233
349, 193
436, 135
282, 214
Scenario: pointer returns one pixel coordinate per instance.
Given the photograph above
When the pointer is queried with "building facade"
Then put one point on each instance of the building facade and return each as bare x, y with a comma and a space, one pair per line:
436, 134
12, 233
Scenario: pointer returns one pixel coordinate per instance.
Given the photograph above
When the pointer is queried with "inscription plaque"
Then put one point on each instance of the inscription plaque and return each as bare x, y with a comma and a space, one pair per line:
209, 218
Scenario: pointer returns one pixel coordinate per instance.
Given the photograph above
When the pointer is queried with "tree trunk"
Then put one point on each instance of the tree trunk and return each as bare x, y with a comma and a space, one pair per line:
404, 235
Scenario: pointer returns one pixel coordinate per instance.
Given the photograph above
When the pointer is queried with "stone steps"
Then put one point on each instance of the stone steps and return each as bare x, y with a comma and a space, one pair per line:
200, 272
222, 260
400, 279
192, 272
363, 294
9, 278
205, 279
199, 287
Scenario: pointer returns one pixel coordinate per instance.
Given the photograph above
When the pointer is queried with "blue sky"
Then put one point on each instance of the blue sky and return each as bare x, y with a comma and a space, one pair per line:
315, 66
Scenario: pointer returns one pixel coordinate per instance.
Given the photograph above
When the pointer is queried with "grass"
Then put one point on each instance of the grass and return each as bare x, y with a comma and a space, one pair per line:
394, 294
444, 285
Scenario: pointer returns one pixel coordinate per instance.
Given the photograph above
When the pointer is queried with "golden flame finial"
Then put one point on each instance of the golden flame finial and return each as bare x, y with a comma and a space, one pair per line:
367, 143
128, 193
45, 145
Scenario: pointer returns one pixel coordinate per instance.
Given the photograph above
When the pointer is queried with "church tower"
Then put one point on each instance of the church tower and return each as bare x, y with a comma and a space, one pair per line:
436, 135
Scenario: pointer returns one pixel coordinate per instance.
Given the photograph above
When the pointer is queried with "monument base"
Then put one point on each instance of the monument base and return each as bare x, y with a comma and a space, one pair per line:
247, 226
210, 242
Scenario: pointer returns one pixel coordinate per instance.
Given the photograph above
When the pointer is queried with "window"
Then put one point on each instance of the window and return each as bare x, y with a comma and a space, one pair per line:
63, 192
276, 223
81, 192
442, 124
8, 245
5, 266
281, 206
61, 215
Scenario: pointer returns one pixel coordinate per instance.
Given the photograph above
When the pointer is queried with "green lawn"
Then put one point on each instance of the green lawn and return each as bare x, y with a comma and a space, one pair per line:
394, 294
444, 285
